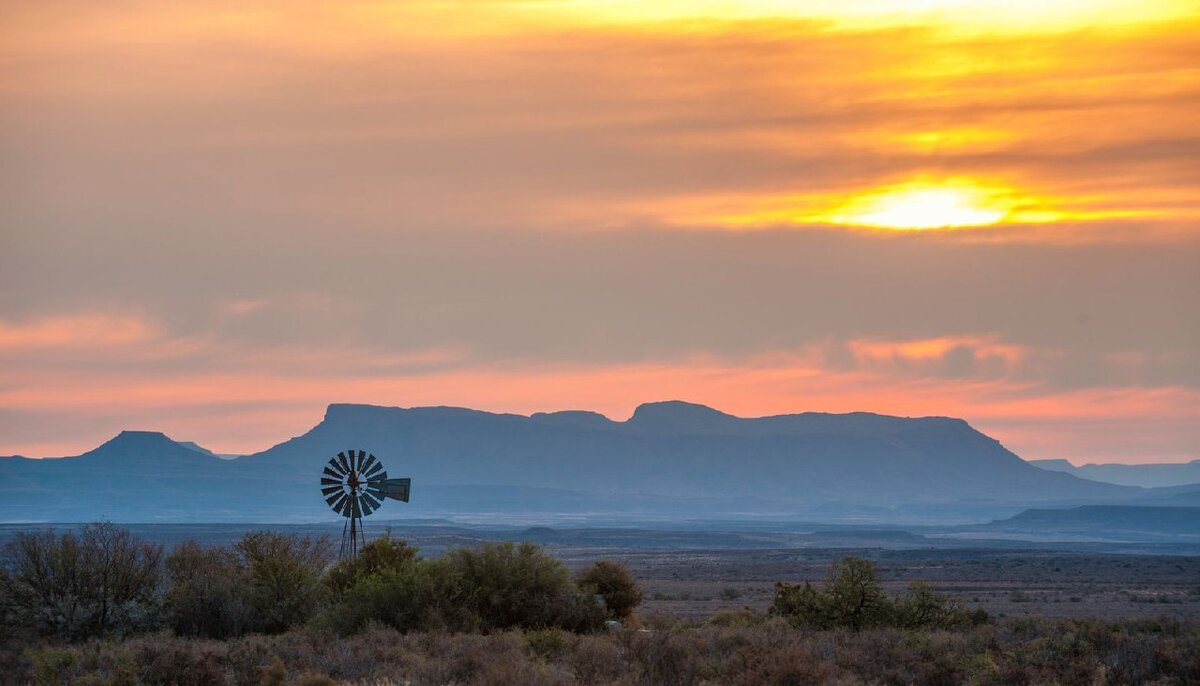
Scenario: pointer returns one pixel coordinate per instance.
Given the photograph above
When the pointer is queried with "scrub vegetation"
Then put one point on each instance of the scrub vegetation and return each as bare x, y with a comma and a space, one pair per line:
100, 607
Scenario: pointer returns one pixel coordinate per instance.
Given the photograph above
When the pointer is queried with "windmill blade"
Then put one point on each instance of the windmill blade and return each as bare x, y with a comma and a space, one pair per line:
362, 455
331, 489
367, 464
341, 458
377, 478
374, 469
396, 489
337, 502
365, 505
326, 481
371, 499
334, 469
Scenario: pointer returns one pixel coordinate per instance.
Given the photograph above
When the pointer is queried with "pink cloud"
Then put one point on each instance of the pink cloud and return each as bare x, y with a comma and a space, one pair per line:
243, 406
76, 331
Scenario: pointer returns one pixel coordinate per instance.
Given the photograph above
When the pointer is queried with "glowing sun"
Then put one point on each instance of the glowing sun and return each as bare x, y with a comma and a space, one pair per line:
915, 207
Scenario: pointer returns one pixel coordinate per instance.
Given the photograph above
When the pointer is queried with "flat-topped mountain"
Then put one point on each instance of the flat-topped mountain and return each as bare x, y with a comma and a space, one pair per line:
669, 459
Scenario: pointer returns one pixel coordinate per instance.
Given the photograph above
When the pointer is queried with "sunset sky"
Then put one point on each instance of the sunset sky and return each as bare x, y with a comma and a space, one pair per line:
217, 218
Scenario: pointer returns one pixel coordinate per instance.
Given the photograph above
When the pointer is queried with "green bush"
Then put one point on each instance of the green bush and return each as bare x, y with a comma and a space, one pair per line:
745, 617
285, 576
922, 607
498, 586
511, 585
802, 605
612, 581
268, 582
422, 594
856, 599
208, 592
852, 598
379, 555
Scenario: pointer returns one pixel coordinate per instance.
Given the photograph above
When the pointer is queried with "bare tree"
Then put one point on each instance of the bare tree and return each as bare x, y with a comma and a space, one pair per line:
100, 580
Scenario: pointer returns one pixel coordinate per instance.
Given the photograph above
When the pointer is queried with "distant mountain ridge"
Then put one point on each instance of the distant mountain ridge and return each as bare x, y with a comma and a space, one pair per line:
669, 459
1112, 521
1145, 475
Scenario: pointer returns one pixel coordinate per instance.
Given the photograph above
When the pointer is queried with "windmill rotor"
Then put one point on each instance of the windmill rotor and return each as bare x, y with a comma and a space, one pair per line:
354, 484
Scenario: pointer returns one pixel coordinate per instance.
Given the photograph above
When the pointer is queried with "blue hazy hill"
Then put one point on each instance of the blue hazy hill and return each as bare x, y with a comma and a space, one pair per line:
669, 460
1146, 475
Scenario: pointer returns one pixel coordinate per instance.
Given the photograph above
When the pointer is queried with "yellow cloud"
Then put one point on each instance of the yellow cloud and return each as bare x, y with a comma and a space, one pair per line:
971, 15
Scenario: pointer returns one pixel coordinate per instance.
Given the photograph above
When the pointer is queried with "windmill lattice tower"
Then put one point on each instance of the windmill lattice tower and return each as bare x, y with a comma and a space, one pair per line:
355, 484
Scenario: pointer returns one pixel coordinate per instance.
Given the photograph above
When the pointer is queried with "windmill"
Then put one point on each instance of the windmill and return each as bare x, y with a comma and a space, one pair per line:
354, 484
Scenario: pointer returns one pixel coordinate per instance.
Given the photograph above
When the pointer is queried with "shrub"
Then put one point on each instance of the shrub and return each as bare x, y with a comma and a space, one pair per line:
790, 665
313, 679
52, 665
856, 600
499, 586
745, 617
8, 606
548, 644
273, 673
922, 607
1030, 650
507, 585
852, 598
424, 594
101, 581
664, 658
381, 554
208, 593
802, 606
612, 581
596, 659
285, 572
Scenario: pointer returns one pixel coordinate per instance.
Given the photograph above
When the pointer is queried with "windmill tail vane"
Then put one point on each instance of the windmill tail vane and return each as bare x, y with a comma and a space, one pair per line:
355, 484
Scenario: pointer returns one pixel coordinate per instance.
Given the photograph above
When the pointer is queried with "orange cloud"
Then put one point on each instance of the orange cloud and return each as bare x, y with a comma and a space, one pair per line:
228, 153
245, 404
986, 352
767, 114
